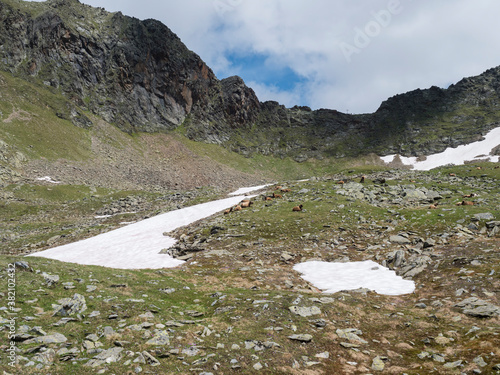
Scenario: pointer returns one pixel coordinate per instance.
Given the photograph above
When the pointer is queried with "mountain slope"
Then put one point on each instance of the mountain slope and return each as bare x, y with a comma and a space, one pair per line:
139, 76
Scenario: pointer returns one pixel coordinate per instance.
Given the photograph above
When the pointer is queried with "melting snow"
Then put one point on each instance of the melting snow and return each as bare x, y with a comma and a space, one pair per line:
334, 277
246, 190
472, 152
137, 246
48, 179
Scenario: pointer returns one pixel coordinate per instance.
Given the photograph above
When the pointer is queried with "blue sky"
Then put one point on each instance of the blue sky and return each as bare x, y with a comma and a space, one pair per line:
262, 68
343, 54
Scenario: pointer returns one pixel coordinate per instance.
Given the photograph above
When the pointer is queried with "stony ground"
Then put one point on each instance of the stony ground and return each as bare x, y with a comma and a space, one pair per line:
237, 306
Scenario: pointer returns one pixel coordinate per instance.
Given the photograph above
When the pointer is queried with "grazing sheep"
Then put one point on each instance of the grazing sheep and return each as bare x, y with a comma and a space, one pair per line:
277, 196
469, 195
433, 206
268, 198
297, 208
362, 179
341, 182
278, 187
452, 174
465, 203
246, 203
228, 211
237, 208
286, 190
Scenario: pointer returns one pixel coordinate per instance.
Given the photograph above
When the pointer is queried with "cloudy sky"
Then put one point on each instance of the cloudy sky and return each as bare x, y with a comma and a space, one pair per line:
342, 54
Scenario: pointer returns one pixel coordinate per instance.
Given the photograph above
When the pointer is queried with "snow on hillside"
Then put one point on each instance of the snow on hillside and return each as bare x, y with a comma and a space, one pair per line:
472, 152
247, 190
334, 277
137, 245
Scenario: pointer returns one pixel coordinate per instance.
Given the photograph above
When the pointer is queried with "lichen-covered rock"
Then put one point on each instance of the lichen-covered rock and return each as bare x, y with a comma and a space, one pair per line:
70, 306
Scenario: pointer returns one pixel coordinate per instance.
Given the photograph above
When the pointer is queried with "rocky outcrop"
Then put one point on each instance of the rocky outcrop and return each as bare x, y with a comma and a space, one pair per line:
139, 76
136, 74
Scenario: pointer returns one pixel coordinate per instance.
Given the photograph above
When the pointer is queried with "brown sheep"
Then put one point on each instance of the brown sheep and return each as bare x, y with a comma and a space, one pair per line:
277, 196
467, 203
278, 187
452, 174
433, 206
340, 182
286, 190
228, 211
237, 208
246, 204
268, 198
297, 208
362, 179
469, 195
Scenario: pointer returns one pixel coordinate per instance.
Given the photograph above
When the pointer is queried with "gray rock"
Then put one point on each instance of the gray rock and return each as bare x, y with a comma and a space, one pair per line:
480, 361
108, 331
286, 256
399, 240
301, 337
191, 351
433, 195
378, 364
305, 311
478, 308
492, 224
484, 216
150, 359
414, 194
51, 280
438, 358
486, 311
429, 243
161, 338
257, 366
452, 364
47, 357
106, 356
71, 306
56, 338
22, 265
351, 334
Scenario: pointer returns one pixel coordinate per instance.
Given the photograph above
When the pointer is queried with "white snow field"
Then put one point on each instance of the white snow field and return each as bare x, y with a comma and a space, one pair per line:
334, 277
475, 151
137, 245
246, 190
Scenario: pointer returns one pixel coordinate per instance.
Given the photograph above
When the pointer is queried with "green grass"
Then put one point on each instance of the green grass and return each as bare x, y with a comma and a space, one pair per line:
30, 125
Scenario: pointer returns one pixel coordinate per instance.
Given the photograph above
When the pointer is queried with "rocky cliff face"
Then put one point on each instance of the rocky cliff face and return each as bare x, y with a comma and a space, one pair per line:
139, 76
136, 74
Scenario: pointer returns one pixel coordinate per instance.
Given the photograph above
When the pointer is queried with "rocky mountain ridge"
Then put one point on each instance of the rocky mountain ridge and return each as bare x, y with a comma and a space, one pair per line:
139, 76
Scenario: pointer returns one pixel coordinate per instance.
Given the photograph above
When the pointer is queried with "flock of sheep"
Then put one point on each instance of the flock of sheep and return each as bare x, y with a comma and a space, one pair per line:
245, 203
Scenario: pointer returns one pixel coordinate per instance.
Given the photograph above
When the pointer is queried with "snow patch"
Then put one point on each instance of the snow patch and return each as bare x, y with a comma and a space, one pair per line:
48, 179
334, 277
137, 245
246, 190
476, 151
